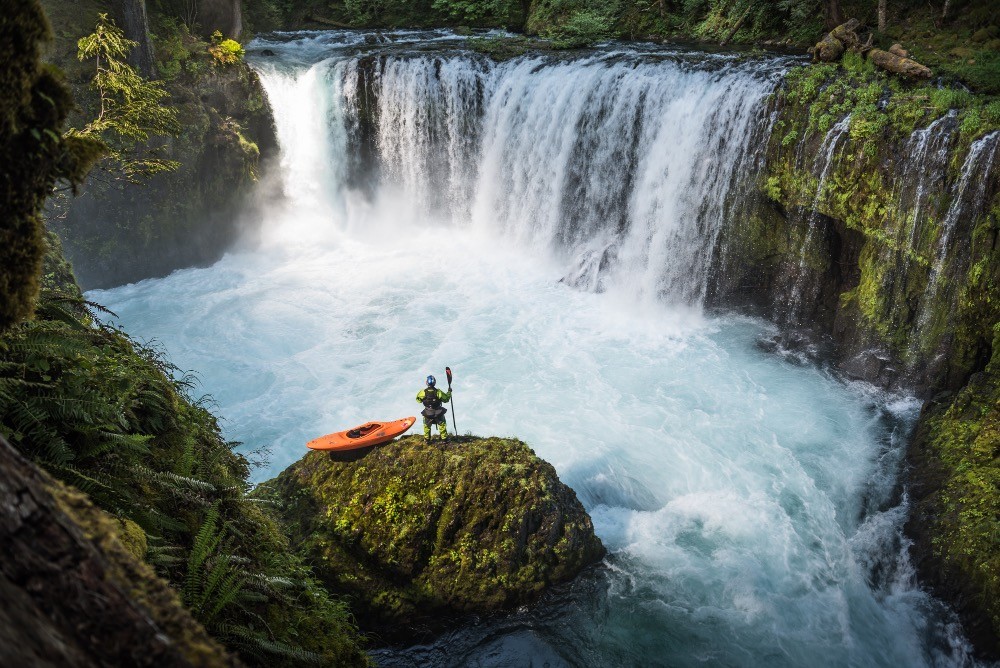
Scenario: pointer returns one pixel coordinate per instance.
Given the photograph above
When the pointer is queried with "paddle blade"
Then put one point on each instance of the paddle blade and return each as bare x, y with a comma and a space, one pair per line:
447, 372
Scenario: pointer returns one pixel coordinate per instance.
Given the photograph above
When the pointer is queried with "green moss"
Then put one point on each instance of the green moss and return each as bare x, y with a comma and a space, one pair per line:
112, 235
133, 538
412, 529
110, 416
118, 542
33, 155
862, 191
962, 442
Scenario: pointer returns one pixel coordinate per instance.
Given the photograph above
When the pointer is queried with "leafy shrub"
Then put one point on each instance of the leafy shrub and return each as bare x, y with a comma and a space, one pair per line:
172, 41
225, 51
583, 28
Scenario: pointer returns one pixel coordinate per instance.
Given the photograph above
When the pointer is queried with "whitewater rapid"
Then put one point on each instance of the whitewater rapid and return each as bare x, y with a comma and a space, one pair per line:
749, 502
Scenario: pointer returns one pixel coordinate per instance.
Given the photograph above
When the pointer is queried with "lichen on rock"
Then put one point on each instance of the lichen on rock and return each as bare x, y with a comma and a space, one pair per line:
412, 530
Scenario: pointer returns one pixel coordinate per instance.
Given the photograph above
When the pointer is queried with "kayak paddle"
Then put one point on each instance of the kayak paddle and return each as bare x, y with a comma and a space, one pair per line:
447, 372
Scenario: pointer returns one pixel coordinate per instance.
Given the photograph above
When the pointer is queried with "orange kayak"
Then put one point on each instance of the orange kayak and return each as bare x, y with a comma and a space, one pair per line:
363, 436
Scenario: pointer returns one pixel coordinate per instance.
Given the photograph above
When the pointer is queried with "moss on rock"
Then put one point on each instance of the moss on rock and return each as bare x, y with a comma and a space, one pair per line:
888, 281
956, 516
117, 231
74, 593
33, 154
412, 529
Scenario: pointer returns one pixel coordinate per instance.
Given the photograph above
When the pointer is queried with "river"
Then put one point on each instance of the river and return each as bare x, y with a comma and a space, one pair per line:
548, 227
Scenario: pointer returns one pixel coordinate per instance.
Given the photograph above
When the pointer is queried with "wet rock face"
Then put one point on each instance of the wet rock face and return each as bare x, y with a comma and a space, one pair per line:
414, 530
954, 474
72, 594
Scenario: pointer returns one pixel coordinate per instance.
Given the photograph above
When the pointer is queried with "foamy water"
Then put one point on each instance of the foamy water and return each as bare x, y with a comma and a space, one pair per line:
747, 502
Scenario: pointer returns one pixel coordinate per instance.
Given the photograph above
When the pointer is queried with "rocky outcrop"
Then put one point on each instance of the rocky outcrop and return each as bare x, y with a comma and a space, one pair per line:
412, 532
74, 593
184, 218
115, 231
954, 483
878, 232
879, 227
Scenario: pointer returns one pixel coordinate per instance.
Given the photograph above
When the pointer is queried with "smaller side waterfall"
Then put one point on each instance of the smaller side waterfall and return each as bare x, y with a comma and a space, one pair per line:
805, 283
924, 171
967, 203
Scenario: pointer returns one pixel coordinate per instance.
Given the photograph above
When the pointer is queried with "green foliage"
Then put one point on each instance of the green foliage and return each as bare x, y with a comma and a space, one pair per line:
225, 51
583, 28
175, 51
113, 418
501, 12
131, 109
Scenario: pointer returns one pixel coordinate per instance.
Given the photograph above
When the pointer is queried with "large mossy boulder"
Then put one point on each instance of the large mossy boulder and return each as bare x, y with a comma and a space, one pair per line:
412, 531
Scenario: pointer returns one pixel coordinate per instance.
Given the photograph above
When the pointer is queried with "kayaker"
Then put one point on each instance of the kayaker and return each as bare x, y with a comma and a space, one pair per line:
434, 412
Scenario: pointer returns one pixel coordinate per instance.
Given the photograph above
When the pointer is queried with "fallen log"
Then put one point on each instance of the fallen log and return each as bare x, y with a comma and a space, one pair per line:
846, 35
736, 27
845, 38
898, 64
828, 49
329, 22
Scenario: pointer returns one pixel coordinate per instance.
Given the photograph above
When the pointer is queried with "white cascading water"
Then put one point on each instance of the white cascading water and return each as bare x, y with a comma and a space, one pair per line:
747, 503
804, 288
967, 203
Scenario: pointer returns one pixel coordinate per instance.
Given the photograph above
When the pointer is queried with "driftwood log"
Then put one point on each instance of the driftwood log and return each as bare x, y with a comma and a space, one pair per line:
845, 38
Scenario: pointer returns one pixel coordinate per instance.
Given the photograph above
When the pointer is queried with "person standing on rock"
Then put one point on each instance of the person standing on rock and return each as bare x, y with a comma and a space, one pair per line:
432, 399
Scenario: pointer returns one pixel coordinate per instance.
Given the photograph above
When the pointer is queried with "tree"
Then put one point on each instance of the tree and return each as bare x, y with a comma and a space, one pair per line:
130, 110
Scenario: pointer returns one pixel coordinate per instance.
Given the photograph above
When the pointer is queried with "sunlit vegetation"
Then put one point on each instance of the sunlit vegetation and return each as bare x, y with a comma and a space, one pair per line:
130, 109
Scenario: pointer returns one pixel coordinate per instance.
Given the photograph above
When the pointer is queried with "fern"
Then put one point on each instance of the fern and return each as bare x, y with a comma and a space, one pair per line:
257, 644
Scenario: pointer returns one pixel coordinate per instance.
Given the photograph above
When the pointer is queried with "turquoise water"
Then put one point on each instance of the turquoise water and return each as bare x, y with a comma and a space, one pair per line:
746, 501
750, 502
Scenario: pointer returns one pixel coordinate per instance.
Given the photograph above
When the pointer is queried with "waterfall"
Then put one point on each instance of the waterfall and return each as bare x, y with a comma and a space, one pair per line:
748, 504
924, 170
804, 283
625, 166
967, 202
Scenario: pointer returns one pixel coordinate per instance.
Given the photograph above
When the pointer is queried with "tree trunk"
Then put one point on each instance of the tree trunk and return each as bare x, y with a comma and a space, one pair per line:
131, 16
845, 33
881, 15
226, 16
73, 596
834, 15
746, 12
